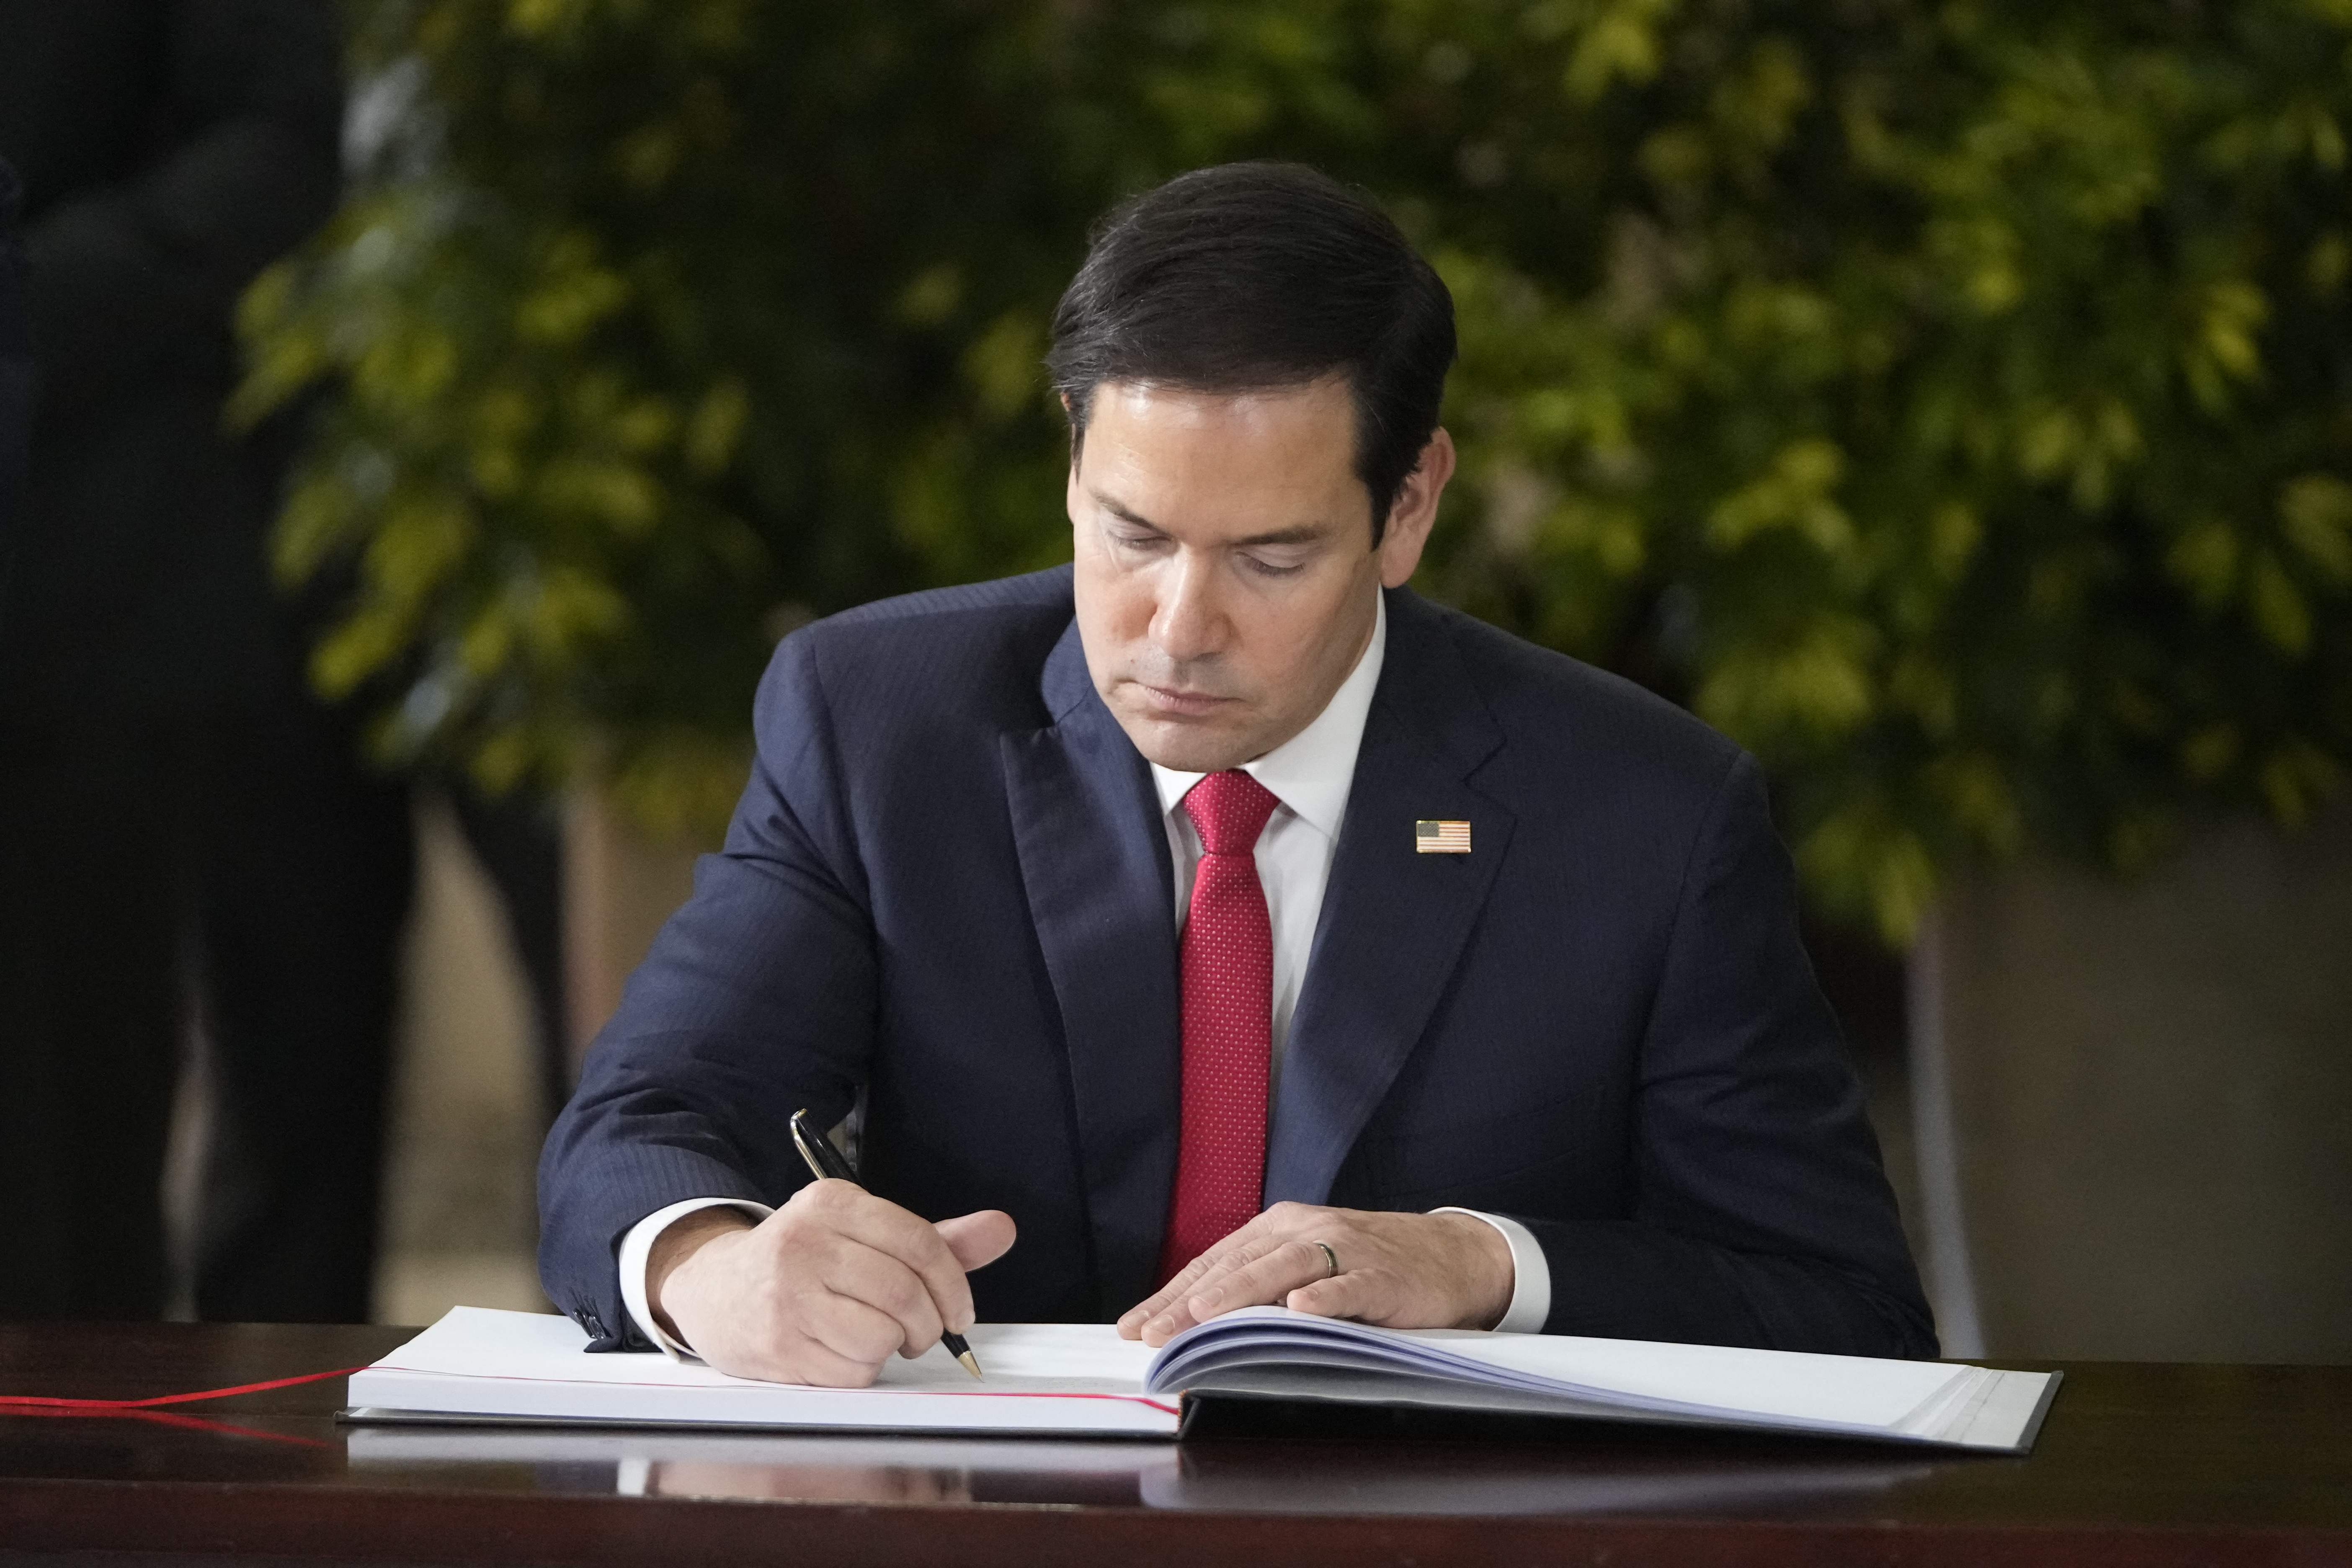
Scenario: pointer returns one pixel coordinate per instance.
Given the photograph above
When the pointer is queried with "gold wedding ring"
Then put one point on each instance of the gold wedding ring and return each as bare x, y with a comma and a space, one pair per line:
1330, 1257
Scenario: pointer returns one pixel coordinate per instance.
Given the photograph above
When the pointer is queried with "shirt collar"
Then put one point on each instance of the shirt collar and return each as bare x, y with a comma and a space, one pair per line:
1312, 772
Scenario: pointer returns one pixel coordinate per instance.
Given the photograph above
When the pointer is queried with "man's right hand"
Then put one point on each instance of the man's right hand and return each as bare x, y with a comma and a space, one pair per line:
822, 1291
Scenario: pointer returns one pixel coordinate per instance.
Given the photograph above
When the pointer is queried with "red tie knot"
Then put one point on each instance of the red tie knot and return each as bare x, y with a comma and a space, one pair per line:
1230, 809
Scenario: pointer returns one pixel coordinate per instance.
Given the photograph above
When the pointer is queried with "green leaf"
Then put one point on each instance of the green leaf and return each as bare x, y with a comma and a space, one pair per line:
420, 537
1796, 493
716, 428
1619, 43
2280, 611
1814, 683
2203, 559
2315, 516
362, 646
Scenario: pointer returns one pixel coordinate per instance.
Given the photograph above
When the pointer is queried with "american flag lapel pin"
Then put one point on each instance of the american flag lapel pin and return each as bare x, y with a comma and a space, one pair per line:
1441, 837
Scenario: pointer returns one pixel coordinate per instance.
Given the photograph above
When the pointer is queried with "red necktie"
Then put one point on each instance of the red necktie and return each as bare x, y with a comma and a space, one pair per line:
1228, 969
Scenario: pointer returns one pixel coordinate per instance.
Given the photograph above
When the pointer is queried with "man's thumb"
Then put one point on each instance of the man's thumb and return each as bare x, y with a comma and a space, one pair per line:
978, 1239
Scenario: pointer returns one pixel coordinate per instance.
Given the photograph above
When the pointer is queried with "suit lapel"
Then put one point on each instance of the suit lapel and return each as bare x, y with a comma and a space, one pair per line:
1095, 868
1394, 922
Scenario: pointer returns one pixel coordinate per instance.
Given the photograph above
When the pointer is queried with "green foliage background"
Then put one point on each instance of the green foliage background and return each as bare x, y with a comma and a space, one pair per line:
1949, 401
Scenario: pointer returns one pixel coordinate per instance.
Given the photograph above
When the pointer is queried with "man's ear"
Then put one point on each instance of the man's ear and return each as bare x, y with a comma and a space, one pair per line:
1415, 511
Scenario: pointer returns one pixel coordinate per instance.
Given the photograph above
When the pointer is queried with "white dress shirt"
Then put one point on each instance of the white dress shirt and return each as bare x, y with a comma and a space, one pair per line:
1310, 774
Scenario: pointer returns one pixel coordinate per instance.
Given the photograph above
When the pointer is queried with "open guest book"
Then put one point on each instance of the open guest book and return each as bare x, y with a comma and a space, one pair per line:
477, 1365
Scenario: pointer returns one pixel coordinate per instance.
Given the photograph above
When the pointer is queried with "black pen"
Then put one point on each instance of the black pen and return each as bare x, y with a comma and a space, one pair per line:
827, 1162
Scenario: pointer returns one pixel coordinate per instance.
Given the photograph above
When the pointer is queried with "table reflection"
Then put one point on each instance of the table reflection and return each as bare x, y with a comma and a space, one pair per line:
1231, 1477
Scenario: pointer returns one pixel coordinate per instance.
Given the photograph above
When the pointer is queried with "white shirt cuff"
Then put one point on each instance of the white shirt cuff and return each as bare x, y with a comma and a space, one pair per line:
1531, 1275
638, 1251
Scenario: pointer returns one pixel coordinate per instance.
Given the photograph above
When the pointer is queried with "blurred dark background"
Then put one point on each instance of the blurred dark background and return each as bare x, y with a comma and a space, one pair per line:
1949, 402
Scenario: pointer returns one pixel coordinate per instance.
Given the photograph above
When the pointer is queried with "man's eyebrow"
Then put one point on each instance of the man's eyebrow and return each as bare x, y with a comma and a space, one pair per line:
1120, 509
1297, 533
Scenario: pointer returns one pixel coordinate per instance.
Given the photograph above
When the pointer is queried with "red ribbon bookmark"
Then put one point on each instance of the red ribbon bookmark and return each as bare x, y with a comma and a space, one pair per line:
44, 1405
43, 1402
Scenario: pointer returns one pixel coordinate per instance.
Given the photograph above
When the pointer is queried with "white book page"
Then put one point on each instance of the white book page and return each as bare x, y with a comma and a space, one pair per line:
1841, 1391
1848, 1390
1019, 1358
2001, 1418
1030, 1358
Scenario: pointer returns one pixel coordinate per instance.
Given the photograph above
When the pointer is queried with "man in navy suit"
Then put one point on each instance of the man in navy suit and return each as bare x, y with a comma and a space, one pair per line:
1224, 921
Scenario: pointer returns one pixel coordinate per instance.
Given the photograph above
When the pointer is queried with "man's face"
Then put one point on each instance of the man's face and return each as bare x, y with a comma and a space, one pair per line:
1227, 578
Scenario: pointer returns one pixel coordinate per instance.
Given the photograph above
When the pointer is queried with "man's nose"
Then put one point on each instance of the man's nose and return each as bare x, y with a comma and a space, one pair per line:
1188, 623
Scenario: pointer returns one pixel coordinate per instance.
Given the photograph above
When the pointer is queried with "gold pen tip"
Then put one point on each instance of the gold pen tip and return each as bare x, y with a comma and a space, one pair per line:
970, 1364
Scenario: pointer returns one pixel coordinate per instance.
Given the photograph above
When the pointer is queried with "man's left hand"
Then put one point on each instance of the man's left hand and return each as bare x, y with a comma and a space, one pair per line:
1397, 1270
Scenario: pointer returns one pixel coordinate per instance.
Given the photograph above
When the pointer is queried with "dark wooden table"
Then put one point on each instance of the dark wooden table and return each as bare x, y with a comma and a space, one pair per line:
2138, 1464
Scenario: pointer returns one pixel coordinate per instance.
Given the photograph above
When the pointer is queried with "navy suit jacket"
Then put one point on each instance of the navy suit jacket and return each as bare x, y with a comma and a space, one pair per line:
948, 883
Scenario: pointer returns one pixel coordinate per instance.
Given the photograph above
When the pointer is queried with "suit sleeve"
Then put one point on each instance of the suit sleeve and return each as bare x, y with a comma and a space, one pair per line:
757, 1000
141, 277
1762, 1215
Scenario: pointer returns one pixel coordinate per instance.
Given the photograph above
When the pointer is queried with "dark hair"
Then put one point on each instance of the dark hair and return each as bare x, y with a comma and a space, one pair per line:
1251, 277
